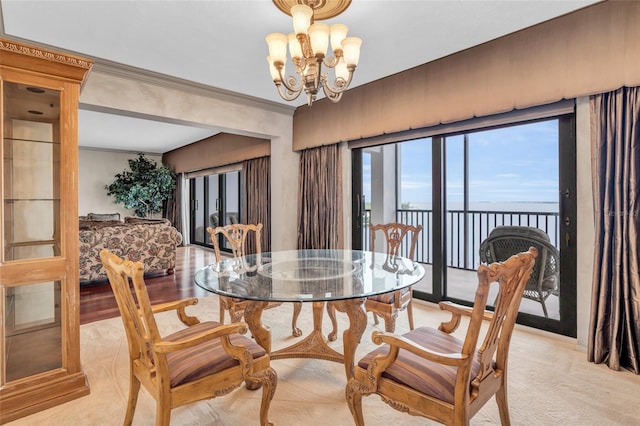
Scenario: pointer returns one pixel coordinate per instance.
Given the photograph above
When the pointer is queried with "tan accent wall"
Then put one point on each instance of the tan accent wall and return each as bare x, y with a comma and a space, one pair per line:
219, 150
593, 50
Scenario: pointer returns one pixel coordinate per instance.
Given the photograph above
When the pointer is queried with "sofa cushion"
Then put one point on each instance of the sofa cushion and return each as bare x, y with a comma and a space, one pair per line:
145, 220
95, 224
103, 216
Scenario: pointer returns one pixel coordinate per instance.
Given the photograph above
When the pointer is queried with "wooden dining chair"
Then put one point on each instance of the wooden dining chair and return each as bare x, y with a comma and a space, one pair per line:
390, 304
202, 361
431, 373
236, 236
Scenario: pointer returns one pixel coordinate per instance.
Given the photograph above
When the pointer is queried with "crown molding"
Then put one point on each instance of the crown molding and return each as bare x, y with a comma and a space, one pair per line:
145, 76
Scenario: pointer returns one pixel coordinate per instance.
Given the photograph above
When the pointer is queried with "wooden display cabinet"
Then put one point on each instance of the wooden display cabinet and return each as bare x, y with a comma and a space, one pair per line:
39, 303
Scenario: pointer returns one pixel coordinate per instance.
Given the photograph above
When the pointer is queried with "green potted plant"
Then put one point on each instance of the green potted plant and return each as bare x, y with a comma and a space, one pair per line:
144, 187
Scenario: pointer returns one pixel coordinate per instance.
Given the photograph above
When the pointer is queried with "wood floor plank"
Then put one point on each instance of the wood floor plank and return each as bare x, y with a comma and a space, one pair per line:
97, 301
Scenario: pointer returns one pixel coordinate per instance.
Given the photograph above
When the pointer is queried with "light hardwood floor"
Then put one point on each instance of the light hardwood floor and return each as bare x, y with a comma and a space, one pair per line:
97, 301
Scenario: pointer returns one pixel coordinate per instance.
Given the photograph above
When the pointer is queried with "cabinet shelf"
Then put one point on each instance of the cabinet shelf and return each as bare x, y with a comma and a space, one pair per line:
14, 140
17, 200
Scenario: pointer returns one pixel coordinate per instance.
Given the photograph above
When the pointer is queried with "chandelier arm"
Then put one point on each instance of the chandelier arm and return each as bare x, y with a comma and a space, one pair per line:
334, 97
286, 94
289, 82
331, 61
330, 90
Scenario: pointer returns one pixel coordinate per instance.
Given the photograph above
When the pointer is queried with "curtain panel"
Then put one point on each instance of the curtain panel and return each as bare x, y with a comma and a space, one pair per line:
256, 193
173, 207
320, 198
614, 333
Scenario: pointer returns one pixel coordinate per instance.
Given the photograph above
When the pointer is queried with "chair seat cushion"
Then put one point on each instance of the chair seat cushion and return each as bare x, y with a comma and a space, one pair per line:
424, 376
209, 357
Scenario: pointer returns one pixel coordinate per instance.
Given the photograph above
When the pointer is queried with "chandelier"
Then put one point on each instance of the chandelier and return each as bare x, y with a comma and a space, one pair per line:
308, 44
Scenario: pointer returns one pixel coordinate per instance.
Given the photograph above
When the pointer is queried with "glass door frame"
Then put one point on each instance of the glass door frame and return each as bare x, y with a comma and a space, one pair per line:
567, 211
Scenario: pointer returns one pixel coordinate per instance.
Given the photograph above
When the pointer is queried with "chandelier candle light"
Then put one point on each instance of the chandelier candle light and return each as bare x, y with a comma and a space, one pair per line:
308, 46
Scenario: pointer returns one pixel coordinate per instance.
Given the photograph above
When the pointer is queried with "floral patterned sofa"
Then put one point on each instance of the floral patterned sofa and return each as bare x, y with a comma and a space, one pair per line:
151, 241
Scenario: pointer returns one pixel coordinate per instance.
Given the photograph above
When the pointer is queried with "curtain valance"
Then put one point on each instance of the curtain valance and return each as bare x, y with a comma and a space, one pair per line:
592, 50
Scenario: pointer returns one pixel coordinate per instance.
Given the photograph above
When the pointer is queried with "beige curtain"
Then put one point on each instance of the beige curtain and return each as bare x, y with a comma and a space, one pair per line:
256, 193
320, 198
614, 334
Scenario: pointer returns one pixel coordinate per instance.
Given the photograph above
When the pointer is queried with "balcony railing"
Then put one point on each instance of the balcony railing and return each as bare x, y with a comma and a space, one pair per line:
465, 231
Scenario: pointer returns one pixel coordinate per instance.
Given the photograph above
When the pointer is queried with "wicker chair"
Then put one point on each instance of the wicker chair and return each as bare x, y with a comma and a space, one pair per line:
431, 373
236, 236
202, 361
505, 241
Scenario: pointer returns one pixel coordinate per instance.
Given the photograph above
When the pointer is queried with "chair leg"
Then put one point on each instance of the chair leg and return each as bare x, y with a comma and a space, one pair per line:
269, 383
544, 308
223, 307
503, 404
295, 331
390, 322
375, 319
353, 395
134, 388
163, 410
331, 310
410, 314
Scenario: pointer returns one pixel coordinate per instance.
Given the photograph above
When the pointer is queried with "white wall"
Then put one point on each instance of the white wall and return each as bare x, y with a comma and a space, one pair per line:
97, 168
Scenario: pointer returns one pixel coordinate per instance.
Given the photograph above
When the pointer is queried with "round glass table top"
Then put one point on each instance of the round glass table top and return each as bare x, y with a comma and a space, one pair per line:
309, 275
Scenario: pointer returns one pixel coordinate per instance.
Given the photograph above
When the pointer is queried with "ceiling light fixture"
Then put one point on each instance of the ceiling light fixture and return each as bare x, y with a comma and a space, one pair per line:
308, 47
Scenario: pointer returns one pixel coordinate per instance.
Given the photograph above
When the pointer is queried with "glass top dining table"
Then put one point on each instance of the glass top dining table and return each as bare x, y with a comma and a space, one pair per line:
345, 278
309, 275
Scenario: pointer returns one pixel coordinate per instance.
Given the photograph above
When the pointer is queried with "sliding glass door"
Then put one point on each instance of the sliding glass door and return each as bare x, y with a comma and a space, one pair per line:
509, 178
215, 201
460, 187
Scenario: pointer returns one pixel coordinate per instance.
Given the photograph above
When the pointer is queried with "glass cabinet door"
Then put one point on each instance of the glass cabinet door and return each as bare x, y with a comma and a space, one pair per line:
31, 172
31, 227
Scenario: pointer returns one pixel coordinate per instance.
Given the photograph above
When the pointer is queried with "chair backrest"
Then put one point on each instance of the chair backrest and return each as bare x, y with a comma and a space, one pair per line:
511, 276
236, 236
136, 312
396, 234
505, 241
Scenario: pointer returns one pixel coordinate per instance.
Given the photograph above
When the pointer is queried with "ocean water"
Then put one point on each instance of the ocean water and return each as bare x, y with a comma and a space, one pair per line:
524, 206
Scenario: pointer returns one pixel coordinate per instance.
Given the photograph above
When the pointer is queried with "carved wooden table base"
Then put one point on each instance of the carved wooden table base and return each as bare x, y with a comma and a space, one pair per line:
315, 344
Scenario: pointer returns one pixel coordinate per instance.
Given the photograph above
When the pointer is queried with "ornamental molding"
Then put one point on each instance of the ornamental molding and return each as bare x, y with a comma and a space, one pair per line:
44, 54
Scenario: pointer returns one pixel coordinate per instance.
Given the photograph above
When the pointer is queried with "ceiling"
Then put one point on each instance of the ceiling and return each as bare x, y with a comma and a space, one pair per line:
220, 43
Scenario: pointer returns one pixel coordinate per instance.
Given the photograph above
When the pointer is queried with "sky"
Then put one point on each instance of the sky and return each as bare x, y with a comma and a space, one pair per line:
511, 164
